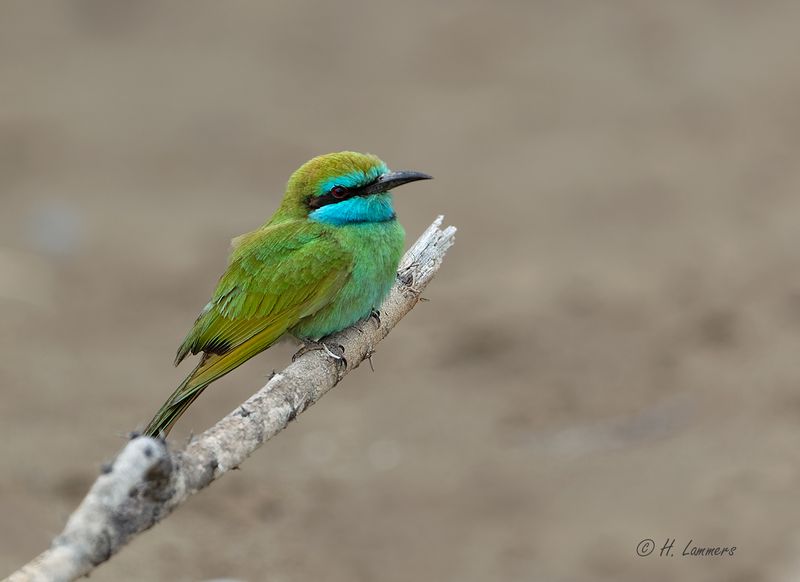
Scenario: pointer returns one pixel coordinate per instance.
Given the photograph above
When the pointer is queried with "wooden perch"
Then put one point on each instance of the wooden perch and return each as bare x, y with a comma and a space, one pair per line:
147, 481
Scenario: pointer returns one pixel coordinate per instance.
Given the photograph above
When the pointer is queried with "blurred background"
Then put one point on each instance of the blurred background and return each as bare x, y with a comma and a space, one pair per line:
610, 352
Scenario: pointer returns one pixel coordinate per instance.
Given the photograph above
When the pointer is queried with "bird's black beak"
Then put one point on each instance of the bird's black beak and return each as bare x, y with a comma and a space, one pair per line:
391, 180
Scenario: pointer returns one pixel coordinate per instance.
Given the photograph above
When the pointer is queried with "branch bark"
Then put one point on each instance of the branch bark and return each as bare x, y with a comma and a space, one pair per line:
147, 480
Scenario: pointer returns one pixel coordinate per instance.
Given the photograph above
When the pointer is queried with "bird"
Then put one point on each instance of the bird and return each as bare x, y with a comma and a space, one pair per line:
325, 260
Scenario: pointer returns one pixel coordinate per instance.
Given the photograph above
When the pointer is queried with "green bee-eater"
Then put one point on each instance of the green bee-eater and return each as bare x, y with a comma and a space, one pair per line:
326, 259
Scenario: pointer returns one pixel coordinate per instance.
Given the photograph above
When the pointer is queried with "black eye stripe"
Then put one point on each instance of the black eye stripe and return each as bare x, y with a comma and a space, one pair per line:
336, 194
328, 198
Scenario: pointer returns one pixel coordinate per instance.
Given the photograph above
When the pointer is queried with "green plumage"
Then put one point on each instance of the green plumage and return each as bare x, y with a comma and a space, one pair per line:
325, 260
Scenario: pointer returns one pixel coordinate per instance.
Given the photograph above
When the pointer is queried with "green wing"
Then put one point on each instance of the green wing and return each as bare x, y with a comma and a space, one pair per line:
276, 276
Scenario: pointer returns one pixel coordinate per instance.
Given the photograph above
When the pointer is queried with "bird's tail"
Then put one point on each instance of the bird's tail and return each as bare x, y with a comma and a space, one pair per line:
178, 402
210, 368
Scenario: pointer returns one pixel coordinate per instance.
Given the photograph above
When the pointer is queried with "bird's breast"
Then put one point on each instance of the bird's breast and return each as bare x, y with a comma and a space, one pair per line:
376, 250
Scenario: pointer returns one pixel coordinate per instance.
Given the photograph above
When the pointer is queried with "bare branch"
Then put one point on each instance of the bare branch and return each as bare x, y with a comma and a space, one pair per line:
147, 481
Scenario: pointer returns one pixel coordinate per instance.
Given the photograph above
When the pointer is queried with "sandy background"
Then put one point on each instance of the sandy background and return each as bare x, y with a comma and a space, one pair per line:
610, 352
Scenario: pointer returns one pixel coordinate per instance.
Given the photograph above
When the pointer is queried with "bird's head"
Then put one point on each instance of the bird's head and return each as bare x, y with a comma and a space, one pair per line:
344, 188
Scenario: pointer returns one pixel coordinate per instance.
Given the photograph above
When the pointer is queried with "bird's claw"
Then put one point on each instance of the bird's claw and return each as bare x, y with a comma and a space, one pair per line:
307, 346
311, 346
333, 355
376, 315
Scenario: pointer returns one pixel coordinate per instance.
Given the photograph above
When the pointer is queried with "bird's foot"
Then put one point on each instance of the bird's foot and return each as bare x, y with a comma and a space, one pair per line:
338, 357
376, 315
308, 346
311, 346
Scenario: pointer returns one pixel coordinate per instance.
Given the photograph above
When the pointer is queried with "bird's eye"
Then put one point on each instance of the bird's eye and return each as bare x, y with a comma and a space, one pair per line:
338, 191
